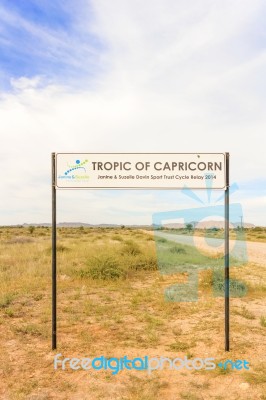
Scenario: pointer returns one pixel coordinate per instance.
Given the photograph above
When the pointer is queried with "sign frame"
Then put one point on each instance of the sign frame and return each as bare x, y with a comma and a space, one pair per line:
226, 238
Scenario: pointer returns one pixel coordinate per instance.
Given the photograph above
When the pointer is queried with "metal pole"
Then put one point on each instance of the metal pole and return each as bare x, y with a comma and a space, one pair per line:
226, 258
53, 255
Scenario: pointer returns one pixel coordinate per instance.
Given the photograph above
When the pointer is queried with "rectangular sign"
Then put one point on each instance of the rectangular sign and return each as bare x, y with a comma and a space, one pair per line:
140, 171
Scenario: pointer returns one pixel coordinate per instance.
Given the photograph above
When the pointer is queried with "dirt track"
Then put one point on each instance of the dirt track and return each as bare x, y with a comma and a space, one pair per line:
248, 251
257, 252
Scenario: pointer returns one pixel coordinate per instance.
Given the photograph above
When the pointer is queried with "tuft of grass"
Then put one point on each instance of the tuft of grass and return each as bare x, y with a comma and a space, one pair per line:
161, 240
4, 268
202, 386
60, 248
244, 312
189, 355
104, 268
256, 377
9, 312
263, 321
30, 329
177, 250
118, 238
131, 248
144, 389
180, 346
150, 238
143, 264
31, 229
189, 396
223, 371
37, 296
6, 299
216, 278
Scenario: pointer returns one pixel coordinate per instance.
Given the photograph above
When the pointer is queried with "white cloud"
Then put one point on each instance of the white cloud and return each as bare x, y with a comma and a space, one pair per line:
177, 78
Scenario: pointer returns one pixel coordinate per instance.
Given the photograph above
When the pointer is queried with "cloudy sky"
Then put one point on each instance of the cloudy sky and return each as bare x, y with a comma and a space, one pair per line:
129, 76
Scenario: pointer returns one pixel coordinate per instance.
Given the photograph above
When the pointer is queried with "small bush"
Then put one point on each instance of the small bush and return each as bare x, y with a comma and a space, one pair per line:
237, 288
149, 264
245, 313
161, 240
179, 346
4, 268
131, 248
150, 238
263, 321
117, 238
31, 329
38, 297
61, 248
31, 229
104, 267
258, 229
9, 312
6, 300
177, 250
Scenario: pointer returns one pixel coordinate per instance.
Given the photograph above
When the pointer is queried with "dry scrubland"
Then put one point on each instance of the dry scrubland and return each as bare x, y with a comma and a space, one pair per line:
111, 302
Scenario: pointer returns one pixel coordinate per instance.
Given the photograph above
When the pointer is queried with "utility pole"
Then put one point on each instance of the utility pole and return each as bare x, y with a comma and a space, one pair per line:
241, 224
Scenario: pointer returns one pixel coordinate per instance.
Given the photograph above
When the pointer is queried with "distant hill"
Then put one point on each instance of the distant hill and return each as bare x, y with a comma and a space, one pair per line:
207, 225
199, 225
79, 224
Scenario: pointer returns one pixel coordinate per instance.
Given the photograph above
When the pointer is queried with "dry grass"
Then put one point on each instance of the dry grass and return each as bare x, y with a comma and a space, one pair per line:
111, 302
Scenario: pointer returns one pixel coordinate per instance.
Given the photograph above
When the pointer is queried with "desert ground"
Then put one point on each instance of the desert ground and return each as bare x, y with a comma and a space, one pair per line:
112, 302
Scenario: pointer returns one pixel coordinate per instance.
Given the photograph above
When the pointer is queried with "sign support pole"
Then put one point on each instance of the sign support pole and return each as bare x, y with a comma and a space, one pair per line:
53, 254
226, 259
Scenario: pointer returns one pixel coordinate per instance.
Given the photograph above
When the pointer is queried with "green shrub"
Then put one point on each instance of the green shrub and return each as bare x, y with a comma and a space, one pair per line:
103, 267
149, 238
179, 346
161, 240
118, 238
237, 288
6, 300
177, 250
131, 248
31, 229
144, 264
30, 329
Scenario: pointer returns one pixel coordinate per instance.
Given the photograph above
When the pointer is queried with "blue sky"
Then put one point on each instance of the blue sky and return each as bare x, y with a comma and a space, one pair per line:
41, 38
122, 75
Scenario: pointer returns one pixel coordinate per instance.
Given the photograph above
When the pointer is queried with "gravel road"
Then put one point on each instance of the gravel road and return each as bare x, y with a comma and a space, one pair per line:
253, 251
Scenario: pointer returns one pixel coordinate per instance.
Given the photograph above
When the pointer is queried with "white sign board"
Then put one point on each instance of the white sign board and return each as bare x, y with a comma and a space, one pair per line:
140, 171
